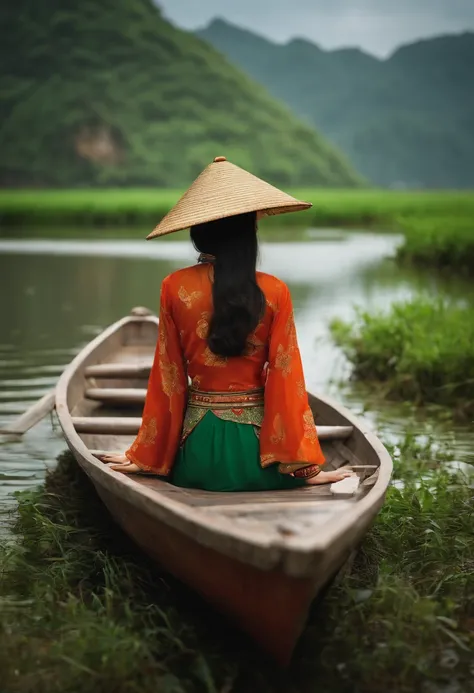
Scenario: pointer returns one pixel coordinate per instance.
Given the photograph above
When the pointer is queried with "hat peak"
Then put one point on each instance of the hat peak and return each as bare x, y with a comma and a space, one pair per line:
219, 158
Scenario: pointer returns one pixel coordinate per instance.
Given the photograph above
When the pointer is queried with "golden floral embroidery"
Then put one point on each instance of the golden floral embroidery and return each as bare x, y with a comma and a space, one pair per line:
307, 472
290, 330
202, 328
226, 400
211, 359
302, 454
253, 345
194, 414
270, 304
147, 433
267, 458
247, 415
192, 417
183, 331
278, 435
291, 467
162, 337
170, 379
188, 299
309, 427
283, 361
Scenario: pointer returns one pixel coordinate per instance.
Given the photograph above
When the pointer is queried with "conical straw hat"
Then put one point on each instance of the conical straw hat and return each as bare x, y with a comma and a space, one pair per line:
223, 190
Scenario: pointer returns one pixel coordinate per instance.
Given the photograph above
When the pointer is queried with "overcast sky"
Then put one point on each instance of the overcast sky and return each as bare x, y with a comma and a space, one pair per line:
377, 26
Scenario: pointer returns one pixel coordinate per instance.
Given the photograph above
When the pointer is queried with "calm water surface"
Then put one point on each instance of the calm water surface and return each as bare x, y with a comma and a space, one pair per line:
58, 294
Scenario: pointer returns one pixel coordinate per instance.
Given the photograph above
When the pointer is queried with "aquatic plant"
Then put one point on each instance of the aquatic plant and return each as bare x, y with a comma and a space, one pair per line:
82, 611
439, 242
421, 350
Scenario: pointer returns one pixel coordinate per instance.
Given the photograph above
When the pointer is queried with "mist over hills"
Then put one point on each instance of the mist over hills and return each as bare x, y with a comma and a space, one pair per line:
404, 121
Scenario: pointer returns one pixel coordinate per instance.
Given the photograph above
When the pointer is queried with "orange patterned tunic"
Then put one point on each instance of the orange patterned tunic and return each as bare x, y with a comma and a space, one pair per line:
287, 434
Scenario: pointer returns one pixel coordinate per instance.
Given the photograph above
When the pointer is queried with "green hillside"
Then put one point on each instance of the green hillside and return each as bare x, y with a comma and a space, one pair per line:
106, 92
407, 120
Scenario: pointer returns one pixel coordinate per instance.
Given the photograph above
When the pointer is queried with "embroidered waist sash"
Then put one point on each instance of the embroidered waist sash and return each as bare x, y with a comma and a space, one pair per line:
225, 400
240, 407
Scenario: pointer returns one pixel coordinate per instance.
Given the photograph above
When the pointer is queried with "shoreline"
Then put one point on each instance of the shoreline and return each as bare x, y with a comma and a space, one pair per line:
437, 226
130, 207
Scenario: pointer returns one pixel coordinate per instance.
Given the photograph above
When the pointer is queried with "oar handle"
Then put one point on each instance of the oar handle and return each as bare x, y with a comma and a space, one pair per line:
32, 416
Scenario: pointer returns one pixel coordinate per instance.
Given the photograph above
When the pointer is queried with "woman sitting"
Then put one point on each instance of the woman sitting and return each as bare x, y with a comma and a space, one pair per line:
226, 406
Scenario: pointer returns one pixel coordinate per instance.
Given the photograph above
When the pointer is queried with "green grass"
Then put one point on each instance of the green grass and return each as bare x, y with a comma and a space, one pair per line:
82, 612
420, 350
439, 242
379, 208
88, 207
438, 226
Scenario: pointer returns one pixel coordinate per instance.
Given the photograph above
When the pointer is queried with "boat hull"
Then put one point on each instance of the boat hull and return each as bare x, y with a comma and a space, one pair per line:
269, 606
258, 558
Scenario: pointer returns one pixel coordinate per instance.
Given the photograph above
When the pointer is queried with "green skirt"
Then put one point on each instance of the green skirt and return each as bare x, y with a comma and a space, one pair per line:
221, 455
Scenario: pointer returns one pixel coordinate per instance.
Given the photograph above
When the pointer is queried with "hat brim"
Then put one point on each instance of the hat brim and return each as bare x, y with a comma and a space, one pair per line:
272, 211
224, 190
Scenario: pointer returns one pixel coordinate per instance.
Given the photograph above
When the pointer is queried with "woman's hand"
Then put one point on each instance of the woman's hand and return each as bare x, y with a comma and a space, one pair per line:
330, 477
120, 463
115, 459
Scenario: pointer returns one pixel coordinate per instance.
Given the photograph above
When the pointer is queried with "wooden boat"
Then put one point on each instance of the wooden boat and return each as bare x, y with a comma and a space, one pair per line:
261, 558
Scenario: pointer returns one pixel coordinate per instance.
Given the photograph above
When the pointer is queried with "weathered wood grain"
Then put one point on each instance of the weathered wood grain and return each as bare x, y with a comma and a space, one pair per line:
259, 557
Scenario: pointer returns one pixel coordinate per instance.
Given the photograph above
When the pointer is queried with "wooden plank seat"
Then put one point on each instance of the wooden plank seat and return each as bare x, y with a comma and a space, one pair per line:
116, 395
125, 425
109, 425
119, 370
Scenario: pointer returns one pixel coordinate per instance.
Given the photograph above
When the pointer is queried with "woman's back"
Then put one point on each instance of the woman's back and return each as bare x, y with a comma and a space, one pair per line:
190, 305
226, 386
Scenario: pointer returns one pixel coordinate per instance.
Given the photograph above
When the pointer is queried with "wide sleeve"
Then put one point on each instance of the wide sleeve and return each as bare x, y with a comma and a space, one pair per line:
157, 442
288, 434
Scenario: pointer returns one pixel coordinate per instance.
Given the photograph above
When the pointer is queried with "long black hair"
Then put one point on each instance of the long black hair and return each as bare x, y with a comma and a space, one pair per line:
238, 301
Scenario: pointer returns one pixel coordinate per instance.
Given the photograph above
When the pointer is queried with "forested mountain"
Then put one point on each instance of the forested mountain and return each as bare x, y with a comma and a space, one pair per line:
106, 92
407, 120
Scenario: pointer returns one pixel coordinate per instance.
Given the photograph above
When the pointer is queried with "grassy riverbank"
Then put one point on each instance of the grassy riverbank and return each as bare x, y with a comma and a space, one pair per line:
438, 242
438, 225
373, 208
421, 351
82, 612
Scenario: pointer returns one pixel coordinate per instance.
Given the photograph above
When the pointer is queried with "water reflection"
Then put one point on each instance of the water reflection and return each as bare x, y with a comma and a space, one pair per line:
58, 294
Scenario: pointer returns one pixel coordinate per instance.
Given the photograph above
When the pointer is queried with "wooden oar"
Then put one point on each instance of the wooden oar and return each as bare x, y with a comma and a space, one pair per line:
32, 416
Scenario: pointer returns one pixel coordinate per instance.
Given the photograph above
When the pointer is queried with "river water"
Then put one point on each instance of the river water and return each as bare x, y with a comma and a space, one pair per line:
58, 294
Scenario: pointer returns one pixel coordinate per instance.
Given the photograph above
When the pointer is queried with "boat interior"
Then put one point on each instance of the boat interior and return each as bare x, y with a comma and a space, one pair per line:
105, 400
